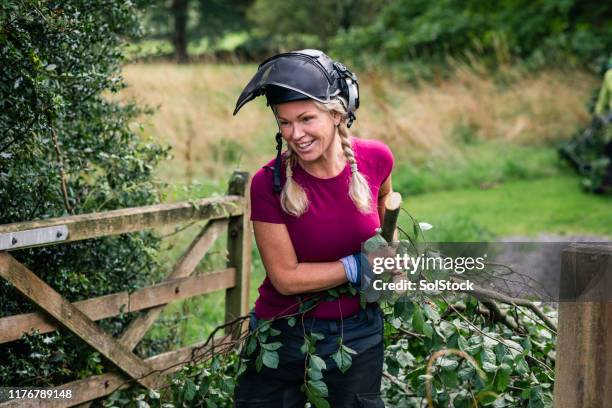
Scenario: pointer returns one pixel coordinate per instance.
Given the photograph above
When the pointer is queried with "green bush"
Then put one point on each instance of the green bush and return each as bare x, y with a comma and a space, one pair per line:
60, 61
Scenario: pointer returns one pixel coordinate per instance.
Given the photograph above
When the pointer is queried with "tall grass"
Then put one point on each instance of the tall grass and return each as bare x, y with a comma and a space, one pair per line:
426, 122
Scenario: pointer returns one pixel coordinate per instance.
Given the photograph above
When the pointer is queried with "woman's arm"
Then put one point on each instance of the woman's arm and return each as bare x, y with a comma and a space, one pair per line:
287, 275
385, 189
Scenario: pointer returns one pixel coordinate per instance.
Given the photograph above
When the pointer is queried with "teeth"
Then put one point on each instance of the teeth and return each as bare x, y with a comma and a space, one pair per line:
304, 145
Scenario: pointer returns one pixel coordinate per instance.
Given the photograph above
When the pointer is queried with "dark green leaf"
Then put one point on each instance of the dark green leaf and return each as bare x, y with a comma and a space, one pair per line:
270, 359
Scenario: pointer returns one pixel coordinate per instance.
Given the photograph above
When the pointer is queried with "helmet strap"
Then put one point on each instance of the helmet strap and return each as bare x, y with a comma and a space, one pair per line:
277, 163
351, 119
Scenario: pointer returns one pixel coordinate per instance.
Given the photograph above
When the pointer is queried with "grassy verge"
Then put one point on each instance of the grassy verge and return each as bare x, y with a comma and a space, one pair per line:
480, 164
527, 207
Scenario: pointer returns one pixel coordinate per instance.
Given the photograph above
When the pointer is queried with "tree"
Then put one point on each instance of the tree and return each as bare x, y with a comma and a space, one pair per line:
179, 40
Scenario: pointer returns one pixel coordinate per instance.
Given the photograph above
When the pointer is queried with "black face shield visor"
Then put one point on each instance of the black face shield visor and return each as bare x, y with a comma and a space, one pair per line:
295, 74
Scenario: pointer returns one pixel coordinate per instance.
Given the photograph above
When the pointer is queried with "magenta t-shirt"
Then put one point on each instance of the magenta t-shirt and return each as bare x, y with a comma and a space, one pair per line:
331, 228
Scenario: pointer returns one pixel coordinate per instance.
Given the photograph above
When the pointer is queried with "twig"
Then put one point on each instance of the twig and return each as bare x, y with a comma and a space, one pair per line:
395, 381
61, 170
491, 294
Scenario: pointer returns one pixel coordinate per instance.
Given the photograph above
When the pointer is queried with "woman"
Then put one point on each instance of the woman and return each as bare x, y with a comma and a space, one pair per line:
312, 208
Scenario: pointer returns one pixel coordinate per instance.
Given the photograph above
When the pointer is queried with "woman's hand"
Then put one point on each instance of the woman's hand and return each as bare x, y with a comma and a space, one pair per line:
280, 261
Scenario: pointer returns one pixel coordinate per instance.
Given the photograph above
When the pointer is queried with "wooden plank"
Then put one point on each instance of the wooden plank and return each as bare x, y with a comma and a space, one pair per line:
239, 253
583, 366
98, 386
30, 285
115, 222
12, 327
182, 288
185, 266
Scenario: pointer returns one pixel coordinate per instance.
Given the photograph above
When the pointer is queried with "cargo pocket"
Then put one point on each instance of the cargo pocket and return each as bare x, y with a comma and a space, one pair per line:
369, 400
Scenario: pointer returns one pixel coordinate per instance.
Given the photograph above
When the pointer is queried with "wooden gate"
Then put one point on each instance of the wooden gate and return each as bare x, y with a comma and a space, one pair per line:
230, 212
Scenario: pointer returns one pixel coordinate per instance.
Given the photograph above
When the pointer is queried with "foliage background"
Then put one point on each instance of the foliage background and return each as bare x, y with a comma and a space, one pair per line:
58, 60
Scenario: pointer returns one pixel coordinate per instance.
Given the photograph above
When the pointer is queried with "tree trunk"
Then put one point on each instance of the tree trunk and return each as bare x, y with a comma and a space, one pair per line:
179, 9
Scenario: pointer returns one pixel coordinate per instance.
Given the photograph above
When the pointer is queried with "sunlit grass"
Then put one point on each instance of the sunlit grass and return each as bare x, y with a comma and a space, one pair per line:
423, 123
530, 207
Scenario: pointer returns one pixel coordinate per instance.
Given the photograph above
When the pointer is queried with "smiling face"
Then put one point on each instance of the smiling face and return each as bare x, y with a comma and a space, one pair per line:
309, 131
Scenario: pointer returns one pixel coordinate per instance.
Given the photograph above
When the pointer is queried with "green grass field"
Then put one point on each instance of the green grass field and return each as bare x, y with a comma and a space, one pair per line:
527, 207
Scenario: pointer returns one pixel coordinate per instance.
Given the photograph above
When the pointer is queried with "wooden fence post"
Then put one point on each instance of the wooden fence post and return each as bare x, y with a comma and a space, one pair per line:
583, 375
239, 253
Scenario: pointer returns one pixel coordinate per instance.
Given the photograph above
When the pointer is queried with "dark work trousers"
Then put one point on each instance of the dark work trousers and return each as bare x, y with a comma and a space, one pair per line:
280, 387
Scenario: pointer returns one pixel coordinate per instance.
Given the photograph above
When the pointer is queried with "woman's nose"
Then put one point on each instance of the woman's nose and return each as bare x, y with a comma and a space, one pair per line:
298, 131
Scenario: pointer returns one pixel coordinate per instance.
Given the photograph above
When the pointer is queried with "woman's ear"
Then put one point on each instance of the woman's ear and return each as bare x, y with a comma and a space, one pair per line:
337, 118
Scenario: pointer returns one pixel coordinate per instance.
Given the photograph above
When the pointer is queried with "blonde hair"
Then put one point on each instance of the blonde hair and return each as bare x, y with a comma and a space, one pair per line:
293, 197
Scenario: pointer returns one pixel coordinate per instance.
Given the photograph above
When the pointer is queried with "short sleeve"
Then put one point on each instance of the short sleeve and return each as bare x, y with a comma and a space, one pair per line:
385, 162
265, 203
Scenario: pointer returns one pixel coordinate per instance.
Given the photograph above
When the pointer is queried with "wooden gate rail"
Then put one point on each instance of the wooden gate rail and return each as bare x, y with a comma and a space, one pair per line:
115, 222
12, 327
231, 212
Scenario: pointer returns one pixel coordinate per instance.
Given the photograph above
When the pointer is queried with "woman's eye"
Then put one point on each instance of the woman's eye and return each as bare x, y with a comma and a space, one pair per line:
307, 119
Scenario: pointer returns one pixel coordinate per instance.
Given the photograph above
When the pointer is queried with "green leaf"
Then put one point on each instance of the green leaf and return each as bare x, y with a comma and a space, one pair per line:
291, 321
263, 325
251, 345
342, 359
270, 359
521, 366
314, 374
431, 313
305, 347
488, 367
317, 362
348, 349
427, 330
449, 379
272, 346
274, 332
404, 358
417, 319
227, 385
448, 364
502, 377
486, 397
189, 390
259, 361
462, 343
318, 388
317, 336
466, 373
315, 400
